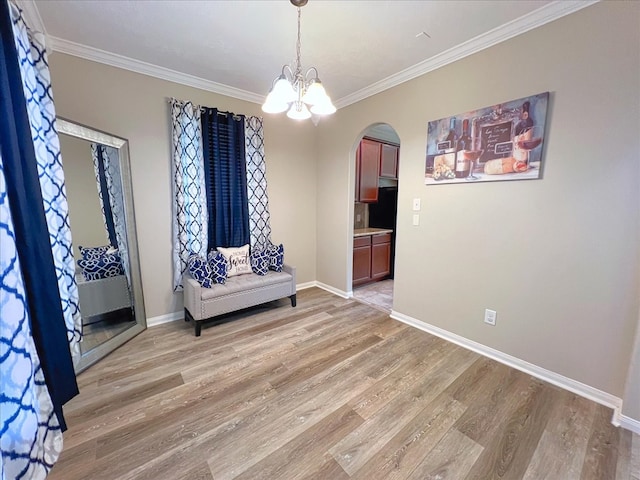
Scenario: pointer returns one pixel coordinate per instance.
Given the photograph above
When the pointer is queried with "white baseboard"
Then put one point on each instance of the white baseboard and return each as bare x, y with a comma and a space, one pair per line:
169, 317
303, 286
631, 424
331, 289
561, 381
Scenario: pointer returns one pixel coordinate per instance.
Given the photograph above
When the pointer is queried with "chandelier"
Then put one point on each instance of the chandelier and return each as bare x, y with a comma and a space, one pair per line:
300, 94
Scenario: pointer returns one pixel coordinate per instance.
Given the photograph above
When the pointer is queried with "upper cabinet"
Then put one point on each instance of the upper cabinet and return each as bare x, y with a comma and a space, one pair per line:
369, 160
389, 161
374, 159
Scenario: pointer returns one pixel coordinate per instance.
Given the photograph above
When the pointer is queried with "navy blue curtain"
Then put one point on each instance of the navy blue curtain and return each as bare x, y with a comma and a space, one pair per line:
225, 173
104, 192
32, 236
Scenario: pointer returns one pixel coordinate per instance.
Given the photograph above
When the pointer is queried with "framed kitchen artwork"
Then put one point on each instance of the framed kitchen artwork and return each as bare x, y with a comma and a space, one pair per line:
501, 142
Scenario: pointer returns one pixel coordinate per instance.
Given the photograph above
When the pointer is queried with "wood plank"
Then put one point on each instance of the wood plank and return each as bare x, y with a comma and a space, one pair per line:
413, 442
562, 448
452, 458
508, 453
368, 440
602, 450
301, 455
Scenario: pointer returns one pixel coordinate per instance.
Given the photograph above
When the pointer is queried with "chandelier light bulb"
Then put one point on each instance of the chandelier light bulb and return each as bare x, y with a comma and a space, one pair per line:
273, 105
325, 107
315, 93
283, 90
298, 111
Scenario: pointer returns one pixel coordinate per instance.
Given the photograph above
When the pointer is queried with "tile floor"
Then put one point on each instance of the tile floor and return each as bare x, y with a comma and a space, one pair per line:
377, 294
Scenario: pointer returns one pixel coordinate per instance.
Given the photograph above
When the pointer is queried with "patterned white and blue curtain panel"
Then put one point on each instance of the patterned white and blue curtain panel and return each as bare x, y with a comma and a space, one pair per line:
34, 68
40, 322
190, 201
97, 155
259, 218
30, 435
106, 163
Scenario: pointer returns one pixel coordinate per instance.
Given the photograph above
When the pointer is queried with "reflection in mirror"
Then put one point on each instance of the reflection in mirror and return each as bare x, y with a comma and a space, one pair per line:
97, 180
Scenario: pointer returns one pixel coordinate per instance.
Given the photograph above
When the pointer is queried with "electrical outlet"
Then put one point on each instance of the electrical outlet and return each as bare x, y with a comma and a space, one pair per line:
490, 316
358, 217
416, 204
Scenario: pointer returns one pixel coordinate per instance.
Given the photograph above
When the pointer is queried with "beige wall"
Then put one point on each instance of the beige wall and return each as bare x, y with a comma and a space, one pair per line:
558, 257
85, 216
135, 107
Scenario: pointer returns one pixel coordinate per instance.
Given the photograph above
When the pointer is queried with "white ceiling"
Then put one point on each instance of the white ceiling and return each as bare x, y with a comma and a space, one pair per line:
360, 47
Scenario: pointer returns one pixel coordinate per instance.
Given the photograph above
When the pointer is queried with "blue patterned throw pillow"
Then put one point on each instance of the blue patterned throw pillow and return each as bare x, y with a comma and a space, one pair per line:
104, 266
93, 253
200, 270
276, 257
260, 262
218, 266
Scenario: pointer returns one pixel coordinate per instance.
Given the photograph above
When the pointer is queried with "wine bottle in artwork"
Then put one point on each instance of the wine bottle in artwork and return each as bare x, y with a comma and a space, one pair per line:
452, 137
522, 131
526, 122
463, 164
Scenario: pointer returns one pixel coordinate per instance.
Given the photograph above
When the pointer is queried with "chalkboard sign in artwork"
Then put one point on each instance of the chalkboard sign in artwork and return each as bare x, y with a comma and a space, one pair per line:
501, 142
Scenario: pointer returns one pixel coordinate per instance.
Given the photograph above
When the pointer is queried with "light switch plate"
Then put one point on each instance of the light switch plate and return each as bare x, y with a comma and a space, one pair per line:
416, 219
416, 204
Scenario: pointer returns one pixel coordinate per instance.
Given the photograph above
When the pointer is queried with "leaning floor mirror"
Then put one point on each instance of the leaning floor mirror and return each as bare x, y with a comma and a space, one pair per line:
105, 249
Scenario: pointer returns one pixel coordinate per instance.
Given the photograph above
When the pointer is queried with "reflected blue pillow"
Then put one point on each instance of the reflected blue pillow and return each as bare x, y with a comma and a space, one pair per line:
260, 261
276, 257
93, 253
104, 266
200, 270
218, 266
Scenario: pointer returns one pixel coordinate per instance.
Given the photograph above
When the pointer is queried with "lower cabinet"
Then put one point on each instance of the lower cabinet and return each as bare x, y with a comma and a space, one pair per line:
371, 258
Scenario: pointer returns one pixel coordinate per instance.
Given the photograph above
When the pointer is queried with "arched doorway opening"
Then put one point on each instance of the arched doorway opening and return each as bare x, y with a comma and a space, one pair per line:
374, 215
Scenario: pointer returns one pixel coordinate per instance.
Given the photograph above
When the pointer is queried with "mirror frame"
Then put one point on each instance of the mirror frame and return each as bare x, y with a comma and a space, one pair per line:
73, 129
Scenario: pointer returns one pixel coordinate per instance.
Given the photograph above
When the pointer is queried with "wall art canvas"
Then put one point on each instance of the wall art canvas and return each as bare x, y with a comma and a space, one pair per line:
500, 142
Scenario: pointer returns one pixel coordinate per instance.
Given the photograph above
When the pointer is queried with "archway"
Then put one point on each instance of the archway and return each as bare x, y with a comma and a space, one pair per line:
375, 209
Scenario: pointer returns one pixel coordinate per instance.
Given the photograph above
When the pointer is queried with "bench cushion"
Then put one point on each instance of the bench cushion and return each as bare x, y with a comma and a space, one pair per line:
247, 282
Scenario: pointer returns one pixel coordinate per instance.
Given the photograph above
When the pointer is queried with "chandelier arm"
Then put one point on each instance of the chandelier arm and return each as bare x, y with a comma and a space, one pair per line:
288, 73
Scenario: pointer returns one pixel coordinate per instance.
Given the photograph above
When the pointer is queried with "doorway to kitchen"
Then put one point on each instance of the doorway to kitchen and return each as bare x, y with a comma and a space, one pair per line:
374, 216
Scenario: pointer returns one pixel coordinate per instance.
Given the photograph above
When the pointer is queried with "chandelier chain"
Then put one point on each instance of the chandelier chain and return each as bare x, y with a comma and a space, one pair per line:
298, 47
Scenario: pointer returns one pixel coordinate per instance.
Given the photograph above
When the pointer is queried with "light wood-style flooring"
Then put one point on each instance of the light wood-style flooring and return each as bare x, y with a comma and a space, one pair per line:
332, 389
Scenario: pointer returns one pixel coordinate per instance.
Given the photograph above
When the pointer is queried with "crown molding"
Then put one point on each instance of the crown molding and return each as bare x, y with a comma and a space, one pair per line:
537, 18
548, 13
101, 56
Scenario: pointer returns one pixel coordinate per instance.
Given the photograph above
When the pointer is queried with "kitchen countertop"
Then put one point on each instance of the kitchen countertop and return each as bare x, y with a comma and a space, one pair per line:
361, 232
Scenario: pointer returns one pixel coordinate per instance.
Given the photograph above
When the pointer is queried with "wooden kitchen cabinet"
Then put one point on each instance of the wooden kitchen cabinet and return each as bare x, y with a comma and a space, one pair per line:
369, 170
371, 258
389, 161
361, 260
380, 256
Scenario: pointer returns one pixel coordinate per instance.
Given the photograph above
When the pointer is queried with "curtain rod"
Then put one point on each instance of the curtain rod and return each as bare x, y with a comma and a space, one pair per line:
204, 109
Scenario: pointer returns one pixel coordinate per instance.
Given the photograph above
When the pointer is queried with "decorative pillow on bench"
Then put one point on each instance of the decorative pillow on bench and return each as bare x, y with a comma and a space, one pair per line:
218, 265
260, 262
238, 262
96, 266
94, 253
200, 270
276, 257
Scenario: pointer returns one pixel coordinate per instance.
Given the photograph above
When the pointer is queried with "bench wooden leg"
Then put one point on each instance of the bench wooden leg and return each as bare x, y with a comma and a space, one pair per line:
198, 325
293, 300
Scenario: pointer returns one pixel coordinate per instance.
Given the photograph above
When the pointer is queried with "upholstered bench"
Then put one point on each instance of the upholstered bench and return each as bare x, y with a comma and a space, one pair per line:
240, 291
